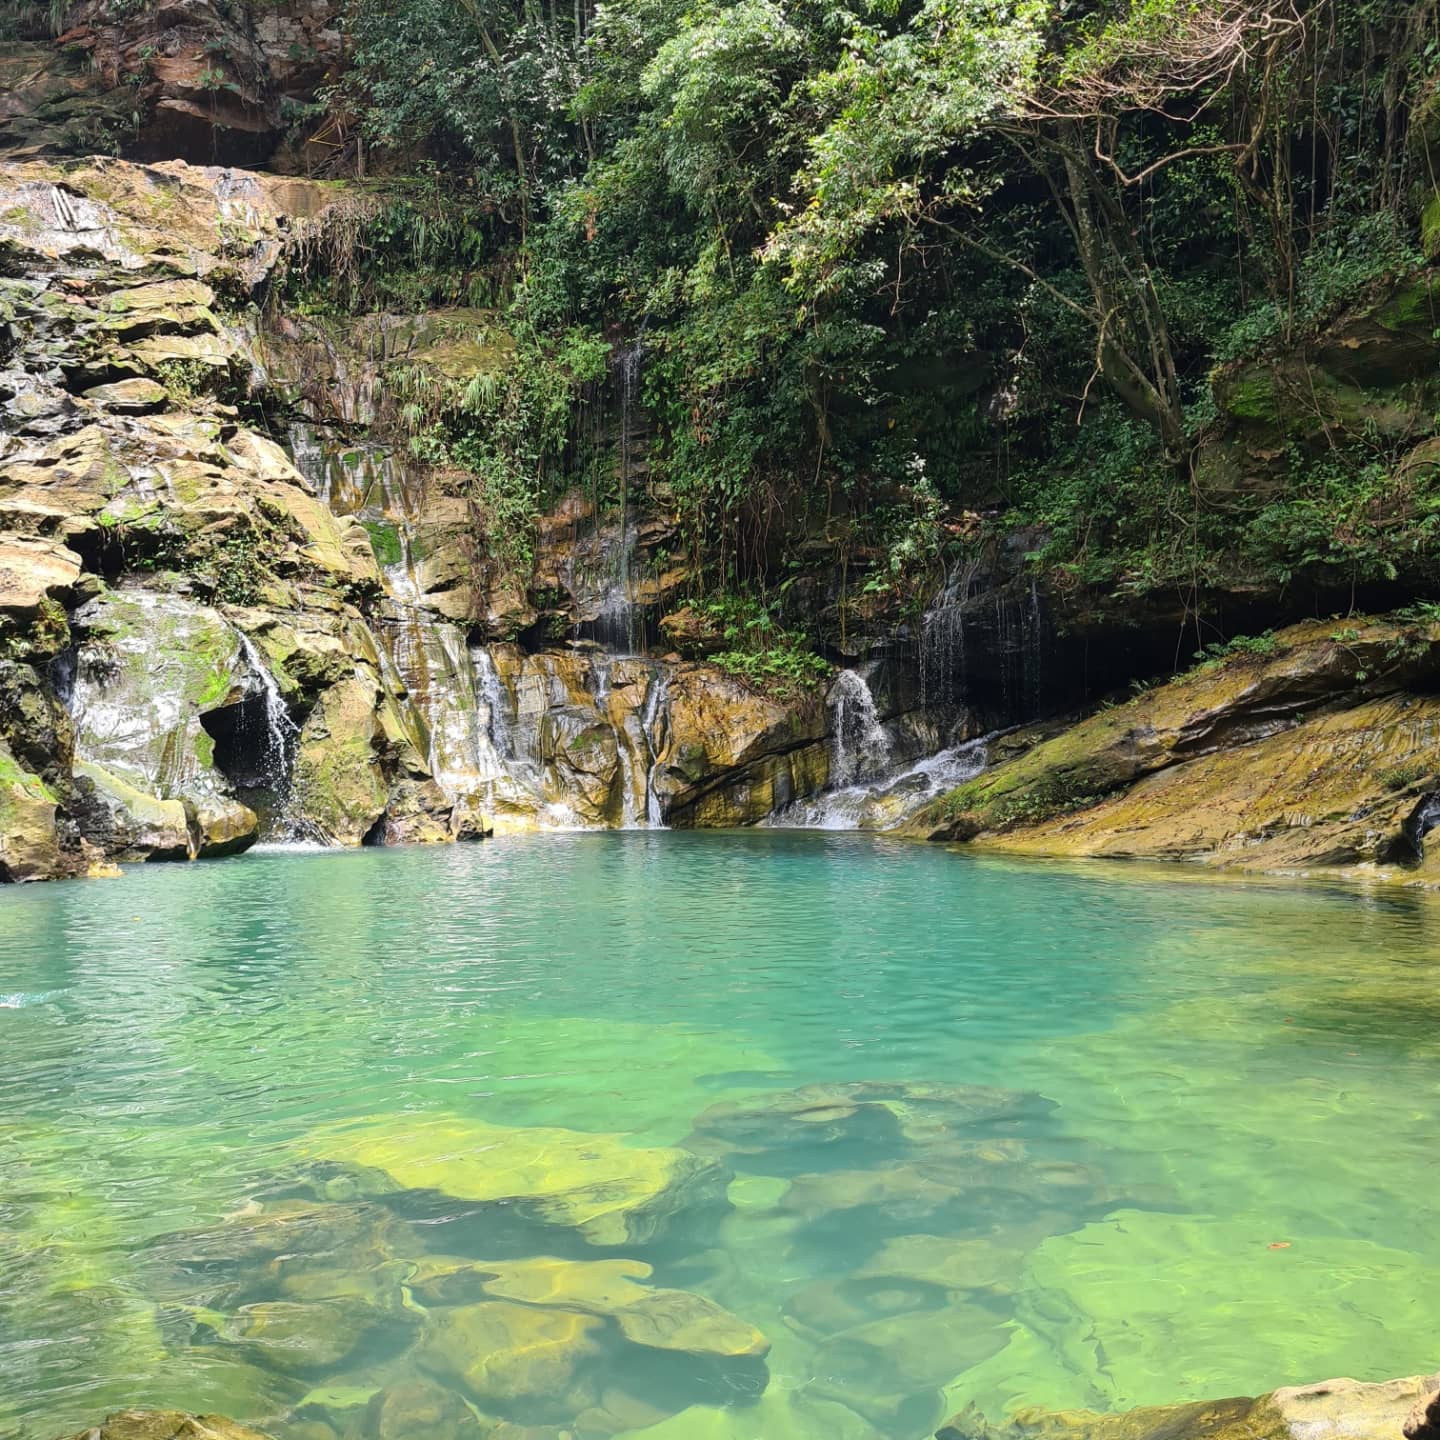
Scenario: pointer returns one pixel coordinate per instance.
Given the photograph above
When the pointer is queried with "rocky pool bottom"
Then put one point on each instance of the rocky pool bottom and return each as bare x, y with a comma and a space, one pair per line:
759, 1136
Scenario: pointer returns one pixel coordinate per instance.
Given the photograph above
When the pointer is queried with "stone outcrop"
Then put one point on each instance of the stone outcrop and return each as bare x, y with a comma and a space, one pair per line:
1319, 749
166, 1425
193, 79
1327, 1411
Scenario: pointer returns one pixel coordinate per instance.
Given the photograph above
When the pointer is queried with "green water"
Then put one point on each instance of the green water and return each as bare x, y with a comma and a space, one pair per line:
245, 1108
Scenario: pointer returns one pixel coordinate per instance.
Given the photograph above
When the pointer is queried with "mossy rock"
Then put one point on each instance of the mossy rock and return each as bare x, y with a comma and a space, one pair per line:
609, 1192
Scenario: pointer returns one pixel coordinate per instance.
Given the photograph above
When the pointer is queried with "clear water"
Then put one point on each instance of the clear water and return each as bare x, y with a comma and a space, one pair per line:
1206, 1164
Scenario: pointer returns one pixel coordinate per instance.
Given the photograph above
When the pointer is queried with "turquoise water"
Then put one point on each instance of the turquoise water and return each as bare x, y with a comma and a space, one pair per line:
285, 1137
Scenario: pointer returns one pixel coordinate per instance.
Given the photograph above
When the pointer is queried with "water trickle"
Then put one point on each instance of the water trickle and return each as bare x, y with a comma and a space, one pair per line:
654, 722
275, 747
887, 800
859, 747
617, 624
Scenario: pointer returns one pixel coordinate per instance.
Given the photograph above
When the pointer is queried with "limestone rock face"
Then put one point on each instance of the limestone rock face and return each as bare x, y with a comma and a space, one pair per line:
338, 777
148, 79
731, 755
29, 846
1321, 754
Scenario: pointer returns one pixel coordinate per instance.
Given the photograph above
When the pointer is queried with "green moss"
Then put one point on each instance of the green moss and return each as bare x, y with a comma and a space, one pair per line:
11, 774
1252, 397
384, 541
1430, 227
1412, 304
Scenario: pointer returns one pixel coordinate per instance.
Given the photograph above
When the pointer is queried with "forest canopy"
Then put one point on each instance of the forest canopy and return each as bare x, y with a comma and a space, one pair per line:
899, 261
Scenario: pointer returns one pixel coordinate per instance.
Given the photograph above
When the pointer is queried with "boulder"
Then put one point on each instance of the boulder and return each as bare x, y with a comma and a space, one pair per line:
731, 755
1423, 1421
166, 1425
1328, 1411
29, 845
340, 787
507, 1356
609, 1192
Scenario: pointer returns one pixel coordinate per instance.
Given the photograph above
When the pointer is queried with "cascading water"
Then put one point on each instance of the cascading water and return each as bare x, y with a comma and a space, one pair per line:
653, 723
616, 625
859, 746
274, 747
890, 799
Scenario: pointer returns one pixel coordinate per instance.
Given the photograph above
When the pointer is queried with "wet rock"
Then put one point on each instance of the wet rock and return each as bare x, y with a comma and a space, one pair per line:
1240, 1418
1327, 1411
339, 783
819, 1126
732, 756
1302, 758
166, 1425
1423, 1421
609, 1192
136, 396
29, 844
129, 824
507, 1355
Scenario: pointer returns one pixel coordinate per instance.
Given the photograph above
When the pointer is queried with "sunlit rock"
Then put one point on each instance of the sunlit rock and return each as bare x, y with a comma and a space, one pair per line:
612, 1193
506, 1355
166, 1425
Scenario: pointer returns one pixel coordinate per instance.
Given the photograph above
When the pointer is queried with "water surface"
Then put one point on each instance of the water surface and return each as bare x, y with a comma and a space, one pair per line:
1064, 1136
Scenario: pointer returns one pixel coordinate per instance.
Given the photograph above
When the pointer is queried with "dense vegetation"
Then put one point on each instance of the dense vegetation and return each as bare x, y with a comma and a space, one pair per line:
914, 277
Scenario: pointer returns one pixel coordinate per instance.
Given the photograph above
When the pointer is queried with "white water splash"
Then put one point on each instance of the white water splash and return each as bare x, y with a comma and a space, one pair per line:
278, 741
859, 746
888, 800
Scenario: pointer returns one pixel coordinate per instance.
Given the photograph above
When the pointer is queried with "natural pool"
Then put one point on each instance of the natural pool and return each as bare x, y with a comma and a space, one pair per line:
287, 1137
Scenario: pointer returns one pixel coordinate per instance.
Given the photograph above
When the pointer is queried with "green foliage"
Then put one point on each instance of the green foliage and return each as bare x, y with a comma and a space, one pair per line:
1252, 647
1402, 777
891, 263
760, 650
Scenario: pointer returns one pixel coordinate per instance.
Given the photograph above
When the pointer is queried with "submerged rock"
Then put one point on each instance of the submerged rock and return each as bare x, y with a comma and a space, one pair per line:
1327, 1411
818, 1126
506, 1355
166, 1425
610, 1192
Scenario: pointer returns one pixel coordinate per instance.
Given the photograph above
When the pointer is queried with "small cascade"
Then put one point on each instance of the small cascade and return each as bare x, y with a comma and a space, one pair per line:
943, 659
653, 722
616, 626
859, 746
891, 799
494, 703
274, 746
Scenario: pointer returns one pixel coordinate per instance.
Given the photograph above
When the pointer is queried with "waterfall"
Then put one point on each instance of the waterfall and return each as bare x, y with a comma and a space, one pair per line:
616, 623
655, 714
859, 746
490, 692
943, 660
277, 745
890, 799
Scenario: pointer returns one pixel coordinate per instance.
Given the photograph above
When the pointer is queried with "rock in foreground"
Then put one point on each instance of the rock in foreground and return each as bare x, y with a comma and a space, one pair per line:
166, 1425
